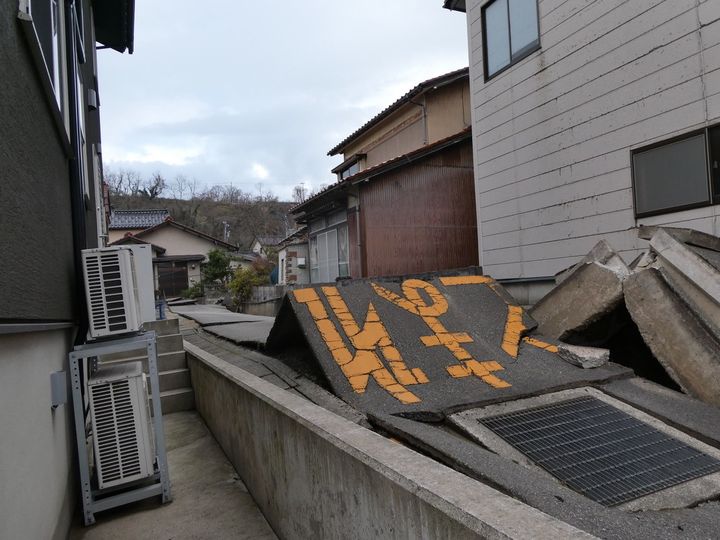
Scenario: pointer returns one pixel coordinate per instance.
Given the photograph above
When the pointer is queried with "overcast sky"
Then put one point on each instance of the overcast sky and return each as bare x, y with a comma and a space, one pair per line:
255, 93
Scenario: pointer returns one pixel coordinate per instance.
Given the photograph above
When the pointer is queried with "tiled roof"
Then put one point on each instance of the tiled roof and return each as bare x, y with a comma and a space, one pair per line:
169, 222
137, 219
419, 89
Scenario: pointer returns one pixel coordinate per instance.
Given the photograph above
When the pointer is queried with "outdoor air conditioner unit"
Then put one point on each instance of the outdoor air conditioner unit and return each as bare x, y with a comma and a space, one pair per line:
111, 289
120, 413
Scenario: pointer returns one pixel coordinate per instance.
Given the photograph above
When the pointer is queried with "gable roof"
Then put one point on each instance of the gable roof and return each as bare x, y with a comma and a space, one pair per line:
137, 219
130, 238
169, 222
421, 88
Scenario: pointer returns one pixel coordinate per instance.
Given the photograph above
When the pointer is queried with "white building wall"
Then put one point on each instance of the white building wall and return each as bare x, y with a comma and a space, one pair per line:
553, 134
37, 444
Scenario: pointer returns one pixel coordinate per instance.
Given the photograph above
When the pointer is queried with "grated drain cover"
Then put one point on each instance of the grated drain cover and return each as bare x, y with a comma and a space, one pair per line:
600, 451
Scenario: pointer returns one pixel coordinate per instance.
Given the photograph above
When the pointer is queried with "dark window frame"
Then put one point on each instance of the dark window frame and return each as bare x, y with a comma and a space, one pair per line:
713, 191
345, 173
521, 55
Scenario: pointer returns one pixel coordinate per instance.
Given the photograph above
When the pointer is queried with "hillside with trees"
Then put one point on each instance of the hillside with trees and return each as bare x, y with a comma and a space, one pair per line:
222, 211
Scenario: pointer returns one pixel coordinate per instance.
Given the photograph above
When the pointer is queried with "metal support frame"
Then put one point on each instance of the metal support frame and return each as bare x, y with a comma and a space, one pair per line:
95, 500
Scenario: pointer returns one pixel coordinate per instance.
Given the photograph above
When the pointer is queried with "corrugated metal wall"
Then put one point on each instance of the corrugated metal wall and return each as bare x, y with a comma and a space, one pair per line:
421, 217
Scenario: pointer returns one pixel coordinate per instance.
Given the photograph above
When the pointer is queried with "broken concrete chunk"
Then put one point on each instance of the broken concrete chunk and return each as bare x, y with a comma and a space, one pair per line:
585, 357
601, 253
686, 236
685, 260
592, 291
676, 336
644, 260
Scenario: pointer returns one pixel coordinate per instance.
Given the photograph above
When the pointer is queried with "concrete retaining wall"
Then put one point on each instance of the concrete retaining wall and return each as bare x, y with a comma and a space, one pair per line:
315, 475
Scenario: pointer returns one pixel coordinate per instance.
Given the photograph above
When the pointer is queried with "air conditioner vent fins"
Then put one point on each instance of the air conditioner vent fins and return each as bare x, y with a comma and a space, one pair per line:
111, 291
122, 441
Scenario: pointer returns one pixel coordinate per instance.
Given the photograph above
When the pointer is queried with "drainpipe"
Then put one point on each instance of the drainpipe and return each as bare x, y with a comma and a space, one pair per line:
424, 120
77, 196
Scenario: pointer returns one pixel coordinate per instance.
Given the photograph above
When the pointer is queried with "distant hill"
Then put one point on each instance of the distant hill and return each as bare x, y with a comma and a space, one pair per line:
247, 216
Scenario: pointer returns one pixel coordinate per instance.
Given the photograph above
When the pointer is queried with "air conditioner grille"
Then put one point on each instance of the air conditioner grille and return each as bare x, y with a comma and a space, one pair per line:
111, 291
116, 435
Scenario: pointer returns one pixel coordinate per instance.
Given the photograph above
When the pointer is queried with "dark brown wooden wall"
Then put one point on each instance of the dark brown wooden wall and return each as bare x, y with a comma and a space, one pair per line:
421, 217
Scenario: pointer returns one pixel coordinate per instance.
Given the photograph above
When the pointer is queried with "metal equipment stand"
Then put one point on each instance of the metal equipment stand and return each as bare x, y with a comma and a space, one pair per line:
98, 500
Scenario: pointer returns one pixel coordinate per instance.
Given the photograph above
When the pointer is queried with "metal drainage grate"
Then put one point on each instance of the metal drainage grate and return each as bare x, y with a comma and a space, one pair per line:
600, 451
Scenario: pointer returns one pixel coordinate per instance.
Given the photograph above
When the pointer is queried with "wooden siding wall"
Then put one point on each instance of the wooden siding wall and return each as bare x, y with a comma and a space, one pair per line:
553, 134
421, 217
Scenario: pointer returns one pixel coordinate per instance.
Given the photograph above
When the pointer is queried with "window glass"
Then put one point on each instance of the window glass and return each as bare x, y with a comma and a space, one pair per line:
671, 176
343, 252
352, 169
314, 260
523, 25
497, 36
714, 144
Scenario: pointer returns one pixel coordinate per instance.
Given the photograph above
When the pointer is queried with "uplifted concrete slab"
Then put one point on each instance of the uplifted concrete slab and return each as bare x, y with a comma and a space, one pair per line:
423, 347
686, 236
685, 347
244, 333
592, 291
211, 314
700, 270
600, 253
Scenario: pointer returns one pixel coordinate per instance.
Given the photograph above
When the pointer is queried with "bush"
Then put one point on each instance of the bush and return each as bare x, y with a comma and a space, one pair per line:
244, 280
195, 291
217, 268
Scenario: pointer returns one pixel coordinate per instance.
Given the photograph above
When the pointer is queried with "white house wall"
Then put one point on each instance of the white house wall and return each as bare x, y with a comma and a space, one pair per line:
553, 134
178, 242
37, 445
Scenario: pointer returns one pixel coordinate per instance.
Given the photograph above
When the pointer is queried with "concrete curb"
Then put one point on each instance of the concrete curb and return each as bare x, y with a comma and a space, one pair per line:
392, 491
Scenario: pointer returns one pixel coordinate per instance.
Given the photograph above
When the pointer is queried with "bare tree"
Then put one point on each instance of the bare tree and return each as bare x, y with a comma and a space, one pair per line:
153, 187
299, 193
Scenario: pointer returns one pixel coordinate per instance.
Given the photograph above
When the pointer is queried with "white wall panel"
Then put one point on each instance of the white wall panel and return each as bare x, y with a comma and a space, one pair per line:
553, 134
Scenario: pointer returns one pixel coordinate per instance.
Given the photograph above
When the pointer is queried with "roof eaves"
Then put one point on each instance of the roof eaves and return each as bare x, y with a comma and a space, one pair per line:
115, 24
172, 223
301, 207
414, 92
409, 157
455, 5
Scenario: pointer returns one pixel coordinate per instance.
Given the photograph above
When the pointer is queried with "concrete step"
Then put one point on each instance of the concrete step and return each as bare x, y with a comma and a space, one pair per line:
165, 344
166, 361
173, 379
164, 327
180, 399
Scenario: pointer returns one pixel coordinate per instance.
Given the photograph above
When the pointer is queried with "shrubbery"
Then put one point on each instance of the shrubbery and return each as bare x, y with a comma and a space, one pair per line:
217, 268
195, 291
245, 278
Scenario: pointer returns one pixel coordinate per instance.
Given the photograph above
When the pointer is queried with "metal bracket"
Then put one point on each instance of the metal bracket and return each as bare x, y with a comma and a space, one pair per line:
98, 500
